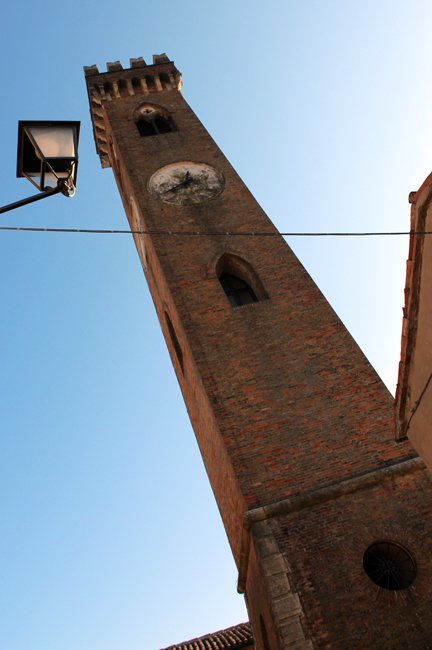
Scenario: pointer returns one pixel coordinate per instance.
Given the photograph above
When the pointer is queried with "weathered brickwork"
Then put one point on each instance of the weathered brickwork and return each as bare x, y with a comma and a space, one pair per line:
282, 400
324, 547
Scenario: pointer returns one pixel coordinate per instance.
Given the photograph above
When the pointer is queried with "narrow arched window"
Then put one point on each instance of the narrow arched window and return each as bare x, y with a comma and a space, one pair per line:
165, 81
162, 125
123, 89
150, 83
239, 280
175, 342
152, 120
109, 89
136, 85
237, 290
146, 128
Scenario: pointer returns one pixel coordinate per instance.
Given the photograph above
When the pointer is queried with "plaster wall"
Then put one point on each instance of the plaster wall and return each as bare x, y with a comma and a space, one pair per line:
419, 402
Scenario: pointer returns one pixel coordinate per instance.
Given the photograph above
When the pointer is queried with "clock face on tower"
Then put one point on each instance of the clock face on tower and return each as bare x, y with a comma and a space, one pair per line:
186, 183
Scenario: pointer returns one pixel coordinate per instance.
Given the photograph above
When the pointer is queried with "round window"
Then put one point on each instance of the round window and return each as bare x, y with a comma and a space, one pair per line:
389, 565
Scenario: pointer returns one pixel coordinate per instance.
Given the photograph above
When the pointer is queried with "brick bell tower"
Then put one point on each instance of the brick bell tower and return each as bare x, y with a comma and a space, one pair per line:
329, 517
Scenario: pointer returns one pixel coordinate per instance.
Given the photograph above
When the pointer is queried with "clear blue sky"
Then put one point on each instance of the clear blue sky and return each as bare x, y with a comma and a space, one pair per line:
110, 535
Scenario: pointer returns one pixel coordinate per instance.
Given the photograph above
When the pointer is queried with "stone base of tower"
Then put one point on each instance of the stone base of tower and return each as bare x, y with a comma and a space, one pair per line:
274, 608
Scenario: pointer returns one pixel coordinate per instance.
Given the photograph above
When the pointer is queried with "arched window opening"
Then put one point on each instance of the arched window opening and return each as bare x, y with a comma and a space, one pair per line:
389, 565
146, 128
123, 89
237, 290
136, 85
150, 83
152, 120
175, 342
162, 125
165, 81
108, 88
239, 281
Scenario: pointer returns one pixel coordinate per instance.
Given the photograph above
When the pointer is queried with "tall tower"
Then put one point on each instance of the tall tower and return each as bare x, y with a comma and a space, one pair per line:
329, 517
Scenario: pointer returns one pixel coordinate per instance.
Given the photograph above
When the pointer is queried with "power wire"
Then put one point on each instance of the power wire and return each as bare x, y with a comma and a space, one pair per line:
198, 233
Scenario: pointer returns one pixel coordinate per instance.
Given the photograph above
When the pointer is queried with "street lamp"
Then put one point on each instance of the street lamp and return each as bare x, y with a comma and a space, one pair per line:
48, 158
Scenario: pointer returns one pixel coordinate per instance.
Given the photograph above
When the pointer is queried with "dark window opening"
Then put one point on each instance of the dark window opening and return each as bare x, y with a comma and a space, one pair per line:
175, 342
153, 125
136, 85
237, 291
108, 88
237, 276
162, 125
165, 81
151, 86
389, 566
146, 128
123, 89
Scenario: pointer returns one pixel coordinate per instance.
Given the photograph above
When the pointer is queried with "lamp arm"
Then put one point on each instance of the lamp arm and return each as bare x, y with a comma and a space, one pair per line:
62, 187
30, 199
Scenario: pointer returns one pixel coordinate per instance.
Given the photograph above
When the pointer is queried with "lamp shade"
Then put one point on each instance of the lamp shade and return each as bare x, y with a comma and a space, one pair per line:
48, 152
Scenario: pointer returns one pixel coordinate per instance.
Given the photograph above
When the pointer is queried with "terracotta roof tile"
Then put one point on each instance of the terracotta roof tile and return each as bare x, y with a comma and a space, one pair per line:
233, 638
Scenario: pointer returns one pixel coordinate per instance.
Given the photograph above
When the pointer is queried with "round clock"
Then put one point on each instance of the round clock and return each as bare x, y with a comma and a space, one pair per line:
186, 183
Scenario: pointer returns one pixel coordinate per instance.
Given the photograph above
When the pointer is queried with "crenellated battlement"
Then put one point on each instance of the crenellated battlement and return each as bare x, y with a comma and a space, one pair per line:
117, 82
115, 66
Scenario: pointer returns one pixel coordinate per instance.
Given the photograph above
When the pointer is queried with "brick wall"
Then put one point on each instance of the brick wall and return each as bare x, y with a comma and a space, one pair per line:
324, 546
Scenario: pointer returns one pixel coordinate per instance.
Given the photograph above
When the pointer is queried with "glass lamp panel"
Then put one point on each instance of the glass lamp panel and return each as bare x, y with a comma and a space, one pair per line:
30, 161
62, 167
50, 180
54, 141
35, 176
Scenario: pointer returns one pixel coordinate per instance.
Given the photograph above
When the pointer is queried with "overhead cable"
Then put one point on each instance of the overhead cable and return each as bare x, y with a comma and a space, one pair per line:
201, 233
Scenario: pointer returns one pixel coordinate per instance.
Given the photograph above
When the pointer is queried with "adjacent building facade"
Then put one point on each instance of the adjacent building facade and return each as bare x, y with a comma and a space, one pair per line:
328, 515
414, 390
